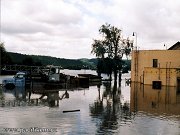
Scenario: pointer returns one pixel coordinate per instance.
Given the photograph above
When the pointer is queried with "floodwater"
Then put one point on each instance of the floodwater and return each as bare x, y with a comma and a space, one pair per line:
135, 110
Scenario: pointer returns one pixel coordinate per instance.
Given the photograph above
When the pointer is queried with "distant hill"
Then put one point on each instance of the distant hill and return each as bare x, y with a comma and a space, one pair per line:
11, 58
38, 60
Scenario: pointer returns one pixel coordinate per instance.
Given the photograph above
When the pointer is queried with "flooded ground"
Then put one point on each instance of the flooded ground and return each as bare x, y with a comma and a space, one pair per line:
135, 110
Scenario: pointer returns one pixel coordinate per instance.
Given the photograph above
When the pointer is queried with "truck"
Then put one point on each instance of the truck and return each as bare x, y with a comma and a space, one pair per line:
21, 79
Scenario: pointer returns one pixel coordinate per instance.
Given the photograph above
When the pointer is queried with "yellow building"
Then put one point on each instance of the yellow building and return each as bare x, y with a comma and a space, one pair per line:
145, 99
156, 67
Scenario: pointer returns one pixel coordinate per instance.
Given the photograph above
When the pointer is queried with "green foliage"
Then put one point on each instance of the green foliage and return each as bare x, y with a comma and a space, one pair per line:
35, 60
107, 65
98, 48
111, 49
4, 56
104, 66
113, 45
28, 61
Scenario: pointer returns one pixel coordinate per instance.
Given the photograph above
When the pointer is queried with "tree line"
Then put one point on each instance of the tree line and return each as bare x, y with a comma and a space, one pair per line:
11, 58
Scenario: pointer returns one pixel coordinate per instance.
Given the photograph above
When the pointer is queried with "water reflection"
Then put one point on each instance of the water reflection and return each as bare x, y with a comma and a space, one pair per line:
104, 109
20, 96
17, 92
110, 113
109, 110
164, 101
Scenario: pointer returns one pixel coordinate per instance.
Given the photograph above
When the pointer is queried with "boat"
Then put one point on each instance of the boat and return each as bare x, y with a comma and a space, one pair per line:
92, 78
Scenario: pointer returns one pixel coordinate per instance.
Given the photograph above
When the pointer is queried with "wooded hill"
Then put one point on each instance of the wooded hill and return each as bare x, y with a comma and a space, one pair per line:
37, 60
11, 58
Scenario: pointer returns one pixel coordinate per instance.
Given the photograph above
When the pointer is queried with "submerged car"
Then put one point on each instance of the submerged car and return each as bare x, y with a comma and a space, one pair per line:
21, 79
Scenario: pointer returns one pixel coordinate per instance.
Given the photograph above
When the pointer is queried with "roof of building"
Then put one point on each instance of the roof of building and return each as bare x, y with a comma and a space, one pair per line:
175, 46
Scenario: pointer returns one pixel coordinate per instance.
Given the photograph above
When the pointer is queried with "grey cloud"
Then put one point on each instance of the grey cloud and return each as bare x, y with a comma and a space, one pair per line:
28, 28
50, 27
157, 21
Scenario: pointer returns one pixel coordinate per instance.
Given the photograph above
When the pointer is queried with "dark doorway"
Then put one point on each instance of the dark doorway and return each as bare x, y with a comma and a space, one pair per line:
178, 85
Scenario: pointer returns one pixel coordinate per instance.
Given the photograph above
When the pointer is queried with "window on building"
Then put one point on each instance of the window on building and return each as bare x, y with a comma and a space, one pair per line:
155, 62
156, 84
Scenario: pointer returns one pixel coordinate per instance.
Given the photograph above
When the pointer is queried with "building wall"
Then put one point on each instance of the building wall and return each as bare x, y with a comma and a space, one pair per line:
166, 76
144, 98
142, 65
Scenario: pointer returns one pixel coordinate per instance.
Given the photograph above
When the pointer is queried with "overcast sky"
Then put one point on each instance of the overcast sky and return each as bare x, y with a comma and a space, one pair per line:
66, 28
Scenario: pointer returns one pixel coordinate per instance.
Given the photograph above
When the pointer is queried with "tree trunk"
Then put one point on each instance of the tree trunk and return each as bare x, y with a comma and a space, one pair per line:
110, 76
120, 74
115, 81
